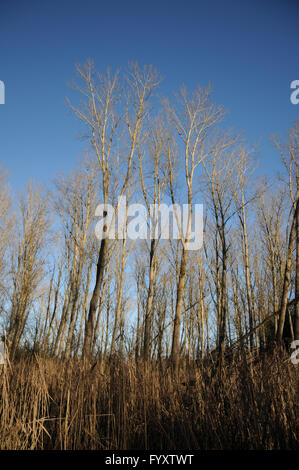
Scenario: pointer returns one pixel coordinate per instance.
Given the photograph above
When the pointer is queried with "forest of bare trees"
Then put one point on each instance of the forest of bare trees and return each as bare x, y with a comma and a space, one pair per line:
149, 306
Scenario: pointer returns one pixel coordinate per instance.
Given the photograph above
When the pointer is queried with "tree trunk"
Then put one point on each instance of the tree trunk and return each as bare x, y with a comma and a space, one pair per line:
119, 299
149, 305
175, 351
89, 327
286, 281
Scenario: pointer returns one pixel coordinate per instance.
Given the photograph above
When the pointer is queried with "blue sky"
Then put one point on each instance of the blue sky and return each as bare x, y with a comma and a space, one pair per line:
247, 50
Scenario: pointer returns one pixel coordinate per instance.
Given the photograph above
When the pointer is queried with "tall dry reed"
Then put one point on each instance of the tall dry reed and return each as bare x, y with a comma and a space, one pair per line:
56, 404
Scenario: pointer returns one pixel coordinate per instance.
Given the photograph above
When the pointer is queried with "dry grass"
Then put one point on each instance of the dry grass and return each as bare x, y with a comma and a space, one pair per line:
52, 404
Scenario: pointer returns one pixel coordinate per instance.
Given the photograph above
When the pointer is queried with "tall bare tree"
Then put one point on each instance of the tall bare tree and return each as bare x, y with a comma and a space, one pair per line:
193, 118
289, 153
27, 260
153, 178
114, 117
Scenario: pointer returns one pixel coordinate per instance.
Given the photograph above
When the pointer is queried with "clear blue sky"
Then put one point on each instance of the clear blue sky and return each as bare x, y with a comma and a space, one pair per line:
248, 50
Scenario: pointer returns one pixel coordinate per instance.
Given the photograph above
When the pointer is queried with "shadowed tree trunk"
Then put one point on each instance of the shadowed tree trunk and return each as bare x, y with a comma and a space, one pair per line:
286, 280
89, 327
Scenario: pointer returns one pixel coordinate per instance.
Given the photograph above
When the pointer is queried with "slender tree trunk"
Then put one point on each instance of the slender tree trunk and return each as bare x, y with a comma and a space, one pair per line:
223, 304
119, 298
247, 273
47, 337
84, 312
137, 343
89, 327
286, 281
202, 313
149, 305
175, 351
71, 330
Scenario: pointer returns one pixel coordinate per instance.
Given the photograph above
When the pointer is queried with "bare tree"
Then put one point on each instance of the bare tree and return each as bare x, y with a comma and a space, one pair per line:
153, 187
5, 221
271, 208
244, 172
193, 119
27, 262
289, 153
112, 124
222, 184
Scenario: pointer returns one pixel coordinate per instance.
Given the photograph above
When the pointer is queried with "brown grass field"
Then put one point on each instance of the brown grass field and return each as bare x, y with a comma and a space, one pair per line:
66, 405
